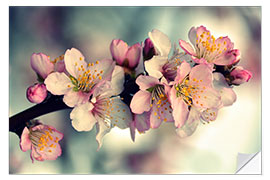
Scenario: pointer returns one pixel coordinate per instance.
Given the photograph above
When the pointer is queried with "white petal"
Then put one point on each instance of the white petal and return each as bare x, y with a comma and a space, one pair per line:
102, 129
228, 96
154, 66
72, 98
82, 118
161, 42
120, 113
58, 83
74, 61
190, 125
118, 78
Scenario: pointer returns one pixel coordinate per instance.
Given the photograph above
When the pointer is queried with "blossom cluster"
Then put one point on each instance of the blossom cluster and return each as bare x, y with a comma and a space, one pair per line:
138, 88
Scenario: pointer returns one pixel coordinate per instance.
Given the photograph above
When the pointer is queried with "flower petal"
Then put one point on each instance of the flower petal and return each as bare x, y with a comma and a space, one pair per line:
190, 125
102, 70
161, 111
120, 113
41, 64
187, 47
192, 35
140, 102
201, 75
118, 78
146, 82
102, 129
154, 66
161, 42
133, 55
72, 98
142, 121
228, 58
74, 62
180, 109
207, 98
182, 71
132, 129
228, 96
155, 120
58, 83
82, 118
25, 142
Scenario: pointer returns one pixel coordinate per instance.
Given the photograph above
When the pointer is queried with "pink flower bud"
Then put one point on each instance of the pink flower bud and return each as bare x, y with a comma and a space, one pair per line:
36, 93
239, 75
148, 49
124, 55
41, 64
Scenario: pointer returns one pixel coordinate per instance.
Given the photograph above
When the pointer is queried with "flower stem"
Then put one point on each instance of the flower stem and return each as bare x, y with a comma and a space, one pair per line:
18, 121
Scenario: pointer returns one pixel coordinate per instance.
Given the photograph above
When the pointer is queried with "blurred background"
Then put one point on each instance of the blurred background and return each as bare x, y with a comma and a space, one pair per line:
213, 148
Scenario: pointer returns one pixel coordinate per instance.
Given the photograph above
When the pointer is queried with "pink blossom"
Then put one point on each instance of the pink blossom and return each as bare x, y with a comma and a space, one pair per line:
81, 78
36, 93
192, 89
239, 75
207, 48
42, 140
152, 98
124, 55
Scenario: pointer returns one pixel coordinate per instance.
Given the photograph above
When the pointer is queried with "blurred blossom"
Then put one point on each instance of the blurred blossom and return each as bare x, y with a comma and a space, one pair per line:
36, 93
239, 75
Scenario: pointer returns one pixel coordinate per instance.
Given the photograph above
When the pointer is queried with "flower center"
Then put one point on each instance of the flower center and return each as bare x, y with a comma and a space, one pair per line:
88, 77
43, 140
191, 91
207, 48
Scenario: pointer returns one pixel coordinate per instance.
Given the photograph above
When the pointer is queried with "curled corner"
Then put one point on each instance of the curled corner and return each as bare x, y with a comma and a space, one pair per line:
249, 163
